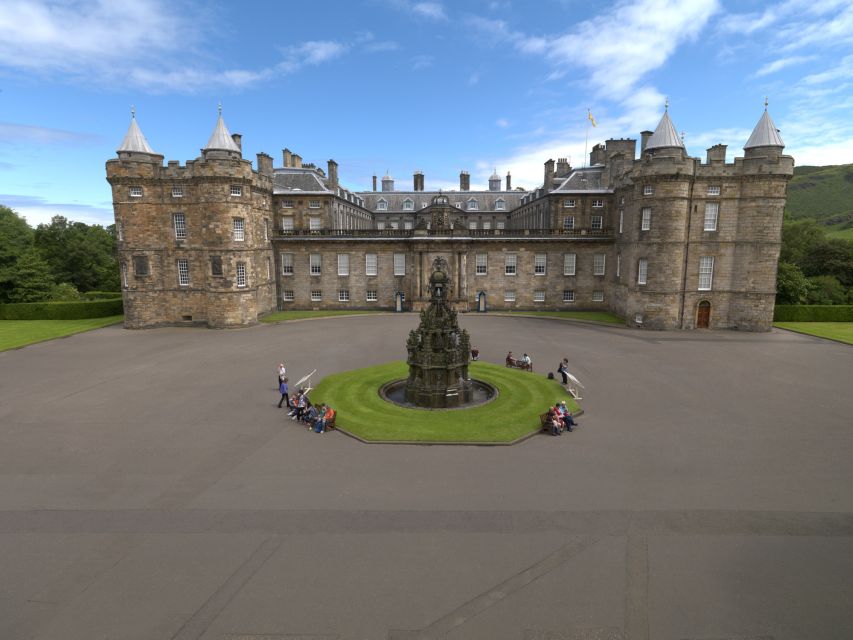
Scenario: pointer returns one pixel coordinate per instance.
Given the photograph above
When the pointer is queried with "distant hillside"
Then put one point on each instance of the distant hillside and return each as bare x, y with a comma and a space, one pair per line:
825, 194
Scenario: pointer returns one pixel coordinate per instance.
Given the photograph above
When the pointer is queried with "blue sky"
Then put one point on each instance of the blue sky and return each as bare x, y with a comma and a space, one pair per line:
402, 85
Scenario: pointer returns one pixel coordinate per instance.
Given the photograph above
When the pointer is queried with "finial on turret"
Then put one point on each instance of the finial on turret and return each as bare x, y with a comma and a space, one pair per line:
220, 108
765, 103
666, 104
682, 136
133, 112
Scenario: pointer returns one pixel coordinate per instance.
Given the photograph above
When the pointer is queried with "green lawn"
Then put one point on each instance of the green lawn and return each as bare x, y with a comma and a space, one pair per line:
841, 331
282, 316
515, 413
838, 232
593, 316
18, 333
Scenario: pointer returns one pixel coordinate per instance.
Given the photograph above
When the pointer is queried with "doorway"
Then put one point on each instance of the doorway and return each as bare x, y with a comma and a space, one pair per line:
703, 315
481, 302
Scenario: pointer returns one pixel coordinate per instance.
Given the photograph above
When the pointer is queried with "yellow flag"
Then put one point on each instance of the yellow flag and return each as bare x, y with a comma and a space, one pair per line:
591, 119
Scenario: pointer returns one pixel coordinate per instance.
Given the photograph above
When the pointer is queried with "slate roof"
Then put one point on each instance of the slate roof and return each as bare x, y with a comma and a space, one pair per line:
765, 134
485, 199
287, 180
665, 135
584, 180
221, 138
134, 140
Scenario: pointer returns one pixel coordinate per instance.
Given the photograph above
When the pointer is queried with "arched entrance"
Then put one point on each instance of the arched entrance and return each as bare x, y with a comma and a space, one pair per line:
481, 302
703, 315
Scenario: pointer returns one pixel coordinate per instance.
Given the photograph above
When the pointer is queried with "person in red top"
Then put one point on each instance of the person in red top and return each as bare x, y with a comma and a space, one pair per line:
324, 419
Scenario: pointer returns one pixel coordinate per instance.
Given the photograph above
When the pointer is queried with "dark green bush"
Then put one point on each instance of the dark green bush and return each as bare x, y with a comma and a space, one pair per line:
61, 310
813, 313
101, 295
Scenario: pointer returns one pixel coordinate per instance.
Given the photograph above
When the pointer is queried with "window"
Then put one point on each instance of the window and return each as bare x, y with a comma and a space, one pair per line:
598, 296
313, 204
124, 275
407, 224
287, 264
642, 270
500, 204
370, 264
509, 296
236, 190
315, 264
568, 223
598, 264
314, 223
239, 232
140, 266
287, 224
473, 205
177, 192
569, 204
648, 190
183, 272
500, 224
621, 219
569, 262
269, 269
539, 262
380, 225
472, 225
539, 296
382, 205
482, 264
568, 295
706, 272
713, 191
712, 210
597, 222
136, 192
241, 274
408, 205
287, 295
486, 225
646, 220
372, 295
395, 225
399, 264
180, 224
316, 295
343, 264
216, 265
510, 263
618, 265
343, 295
287, 204
266, 230
597, 204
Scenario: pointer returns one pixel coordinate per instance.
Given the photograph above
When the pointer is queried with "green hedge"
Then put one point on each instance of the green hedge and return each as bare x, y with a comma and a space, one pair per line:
100, 295
61, 310
813, 313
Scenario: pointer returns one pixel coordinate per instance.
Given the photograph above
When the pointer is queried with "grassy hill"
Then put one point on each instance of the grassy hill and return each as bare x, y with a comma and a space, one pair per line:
825, 194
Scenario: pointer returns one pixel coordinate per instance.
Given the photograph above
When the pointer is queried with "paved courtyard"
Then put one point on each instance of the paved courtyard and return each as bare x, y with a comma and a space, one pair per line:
150, 489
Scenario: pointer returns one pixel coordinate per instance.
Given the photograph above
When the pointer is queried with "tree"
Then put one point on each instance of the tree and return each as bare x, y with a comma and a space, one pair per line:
792, 287
64, 292
799, 239
33, 282
81, 254
832, 257
826, 290
16, 237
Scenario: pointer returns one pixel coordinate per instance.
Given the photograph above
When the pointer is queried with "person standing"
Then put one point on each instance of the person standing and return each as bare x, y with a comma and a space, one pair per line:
563, 370
282, 389
282, 371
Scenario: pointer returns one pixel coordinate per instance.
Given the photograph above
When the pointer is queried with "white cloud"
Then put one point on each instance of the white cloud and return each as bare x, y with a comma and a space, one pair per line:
782, 63
503, 123
13, 132
840, 152
433, 10
422, 62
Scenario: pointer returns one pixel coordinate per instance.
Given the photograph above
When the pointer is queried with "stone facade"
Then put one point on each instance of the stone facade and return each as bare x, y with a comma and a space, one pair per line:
665, 240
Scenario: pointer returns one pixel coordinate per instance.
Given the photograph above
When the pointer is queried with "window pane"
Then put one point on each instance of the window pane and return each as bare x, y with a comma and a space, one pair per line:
539, 296
509, 296
598, 264
287, 264
568, 295
241, 274
646, 222
569, 261
180, 226
316, 264
370, 264
399, 264
706, 272
183, 272
287, 295
597, 222
712, 210
239, 233
642, 270
343, 264
539, 261
482, 264
510, 262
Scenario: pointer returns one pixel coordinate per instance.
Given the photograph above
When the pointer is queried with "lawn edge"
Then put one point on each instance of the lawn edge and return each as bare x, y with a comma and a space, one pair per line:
812, 335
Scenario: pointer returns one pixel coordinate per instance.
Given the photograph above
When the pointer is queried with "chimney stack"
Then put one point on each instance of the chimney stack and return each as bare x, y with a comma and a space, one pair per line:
644, 138
549, 176
508, 181
238, 140
464, 181
333, 174
562, 167
287, 157
264, 164
419, 181
717, 153
374, 182
297, 160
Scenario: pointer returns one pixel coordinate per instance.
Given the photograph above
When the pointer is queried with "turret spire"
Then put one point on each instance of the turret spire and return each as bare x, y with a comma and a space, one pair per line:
765, 133
664, 135
134, 141
221, 139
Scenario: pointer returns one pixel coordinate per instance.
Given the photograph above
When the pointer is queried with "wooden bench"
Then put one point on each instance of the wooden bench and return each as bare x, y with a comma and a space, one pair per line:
519, 365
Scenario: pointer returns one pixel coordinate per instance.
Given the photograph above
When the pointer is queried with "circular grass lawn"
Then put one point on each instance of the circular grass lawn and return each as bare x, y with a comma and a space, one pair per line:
522, 397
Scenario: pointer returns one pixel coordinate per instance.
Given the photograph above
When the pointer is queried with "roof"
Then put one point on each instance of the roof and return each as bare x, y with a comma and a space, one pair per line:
286, 180
221, 138
581, 180
485, 199
765, 134
134, 140
664, 135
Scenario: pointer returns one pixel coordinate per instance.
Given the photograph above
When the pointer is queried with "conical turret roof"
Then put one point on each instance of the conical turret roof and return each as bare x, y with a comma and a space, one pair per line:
765, 134
134, 140
664, 135
221, 138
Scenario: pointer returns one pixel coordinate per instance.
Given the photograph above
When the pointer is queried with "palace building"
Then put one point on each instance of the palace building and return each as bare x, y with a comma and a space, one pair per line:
665, 240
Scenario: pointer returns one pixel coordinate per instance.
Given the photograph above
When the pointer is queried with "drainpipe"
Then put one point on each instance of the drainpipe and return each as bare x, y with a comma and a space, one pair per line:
686, 248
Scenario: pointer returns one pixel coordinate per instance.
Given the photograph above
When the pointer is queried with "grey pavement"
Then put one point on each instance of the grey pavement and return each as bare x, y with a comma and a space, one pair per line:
150, 489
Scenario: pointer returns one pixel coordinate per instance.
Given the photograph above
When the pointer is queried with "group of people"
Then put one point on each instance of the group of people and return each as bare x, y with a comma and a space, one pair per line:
524, 362
559, 419
316, 418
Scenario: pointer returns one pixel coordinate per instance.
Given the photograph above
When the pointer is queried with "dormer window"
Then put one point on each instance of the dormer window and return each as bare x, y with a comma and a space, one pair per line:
473, 205
382, 205
408, 204
500, 204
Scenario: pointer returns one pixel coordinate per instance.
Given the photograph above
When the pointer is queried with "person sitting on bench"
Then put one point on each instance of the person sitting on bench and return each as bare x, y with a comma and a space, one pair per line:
566, 416
553, 422
475, 353
510, 360
526, 362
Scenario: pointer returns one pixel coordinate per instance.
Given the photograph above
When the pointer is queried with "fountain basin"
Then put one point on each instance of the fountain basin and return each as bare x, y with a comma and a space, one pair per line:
395, 392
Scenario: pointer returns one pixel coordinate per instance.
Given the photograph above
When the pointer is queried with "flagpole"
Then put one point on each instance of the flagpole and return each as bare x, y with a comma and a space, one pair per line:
586, 138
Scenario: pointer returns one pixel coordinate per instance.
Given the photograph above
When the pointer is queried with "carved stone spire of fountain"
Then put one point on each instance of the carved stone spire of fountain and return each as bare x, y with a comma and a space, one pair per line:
438, 351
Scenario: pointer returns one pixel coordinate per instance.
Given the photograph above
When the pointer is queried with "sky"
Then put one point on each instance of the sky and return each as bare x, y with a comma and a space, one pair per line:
403, 85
